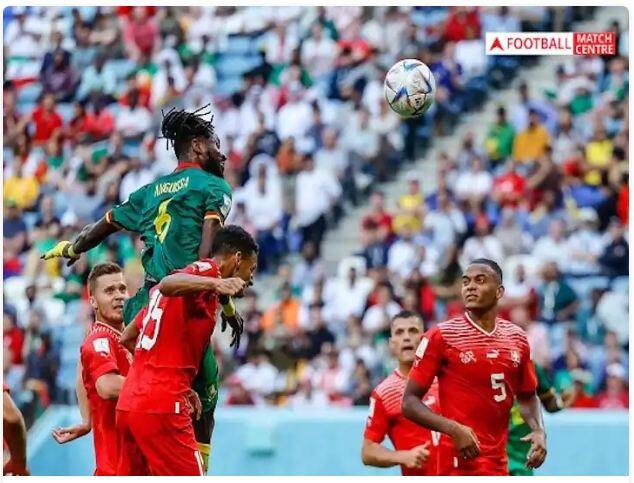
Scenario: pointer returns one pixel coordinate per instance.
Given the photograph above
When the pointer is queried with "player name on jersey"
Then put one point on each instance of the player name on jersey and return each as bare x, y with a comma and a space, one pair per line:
171, 187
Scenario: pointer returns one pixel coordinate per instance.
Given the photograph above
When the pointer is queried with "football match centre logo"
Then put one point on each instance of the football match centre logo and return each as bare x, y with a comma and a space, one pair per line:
550, 43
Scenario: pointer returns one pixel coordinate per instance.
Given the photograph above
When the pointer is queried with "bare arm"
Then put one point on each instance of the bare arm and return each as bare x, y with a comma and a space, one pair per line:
210, 228
71, 433
82, 397
109, 385
530, 409
463, 437
14, 431
93, 235
179, 284
375, 454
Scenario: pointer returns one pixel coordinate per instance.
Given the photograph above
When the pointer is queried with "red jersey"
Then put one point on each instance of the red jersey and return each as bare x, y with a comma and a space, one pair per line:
386, 418
479, 376
175, 332
101, 353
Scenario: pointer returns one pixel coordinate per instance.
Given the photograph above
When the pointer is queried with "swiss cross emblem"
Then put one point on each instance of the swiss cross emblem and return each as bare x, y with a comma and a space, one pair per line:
466, 357
515, 357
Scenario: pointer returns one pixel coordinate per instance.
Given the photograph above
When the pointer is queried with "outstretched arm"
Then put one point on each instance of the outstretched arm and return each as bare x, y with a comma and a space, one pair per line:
91, 236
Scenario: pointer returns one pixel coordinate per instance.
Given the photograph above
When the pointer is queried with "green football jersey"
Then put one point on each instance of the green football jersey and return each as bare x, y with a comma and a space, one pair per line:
516, 449
169, 214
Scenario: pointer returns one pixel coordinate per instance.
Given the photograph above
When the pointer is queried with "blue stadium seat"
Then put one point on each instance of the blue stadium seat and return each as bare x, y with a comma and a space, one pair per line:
233, 65
621, 284
121, 67
228, 86
583, 286
66, 110
30, 93
239, 45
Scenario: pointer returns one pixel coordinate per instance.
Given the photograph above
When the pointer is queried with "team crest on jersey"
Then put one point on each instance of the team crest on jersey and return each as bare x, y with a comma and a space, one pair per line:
493, 354
101, 345
515, 357
466, 357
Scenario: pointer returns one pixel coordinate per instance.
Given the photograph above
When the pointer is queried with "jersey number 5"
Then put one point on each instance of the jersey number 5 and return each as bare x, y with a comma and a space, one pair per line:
151, 323
497, 383
162, 221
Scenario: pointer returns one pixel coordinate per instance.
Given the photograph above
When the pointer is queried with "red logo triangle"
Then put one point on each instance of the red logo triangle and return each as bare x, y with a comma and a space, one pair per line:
496, 44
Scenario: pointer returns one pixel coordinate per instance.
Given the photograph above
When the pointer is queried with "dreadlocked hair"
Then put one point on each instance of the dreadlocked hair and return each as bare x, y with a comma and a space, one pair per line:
180, 127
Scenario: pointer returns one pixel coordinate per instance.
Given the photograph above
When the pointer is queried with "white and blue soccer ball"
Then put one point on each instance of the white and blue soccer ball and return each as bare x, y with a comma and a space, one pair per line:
410, 88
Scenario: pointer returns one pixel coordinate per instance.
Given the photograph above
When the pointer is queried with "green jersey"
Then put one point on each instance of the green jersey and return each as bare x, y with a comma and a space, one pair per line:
169, 214
516, 449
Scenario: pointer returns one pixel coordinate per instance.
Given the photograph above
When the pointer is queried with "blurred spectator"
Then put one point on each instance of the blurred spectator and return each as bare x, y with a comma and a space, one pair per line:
530, 144
140, 34
499, 142
133, 120
47, 121
284, 314
13, 338
238, 395
98, 77
615, 256
482, 245
60, 79
377, 317
558, 301
410, 206
258, 375
584, 245
309, 268
315, 193
474, 185
553, 247
582, 398
616, 394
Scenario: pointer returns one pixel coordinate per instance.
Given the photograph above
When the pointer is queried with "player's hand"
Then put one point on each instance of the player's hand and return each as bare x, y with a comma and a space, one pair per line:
568, 397
61, 250
236, 322
537, 452
229, 286
415, 457
194, 405
465, 441
65, 435
11, 468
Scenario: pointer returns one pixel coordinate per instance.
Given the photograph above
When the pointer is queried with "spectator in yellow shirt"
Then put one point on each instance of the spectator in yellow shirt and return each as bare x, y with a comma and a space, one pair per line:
410, 207
598, 155
530, 145
21, 188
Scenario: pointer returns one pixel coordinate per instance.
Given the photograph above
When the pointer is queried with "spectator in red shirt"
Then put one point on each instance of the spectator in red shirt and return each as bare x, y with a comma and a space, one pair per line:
141, 34
46, 119
508, 188
99, 121
378, 215
615, 395
581, 398
460, 20
13, 338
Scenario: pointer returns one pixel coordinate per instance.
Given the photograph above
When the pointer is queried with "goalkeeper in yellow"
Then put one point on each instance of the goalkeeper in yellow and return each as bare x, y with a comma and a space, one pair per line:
177, 216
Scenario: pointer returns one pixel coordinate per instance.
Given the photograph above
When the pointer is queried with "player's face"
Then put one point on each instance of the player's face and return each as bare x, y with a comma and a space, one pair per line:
245, 268
214, 157
405, 335
481, 289
108, 297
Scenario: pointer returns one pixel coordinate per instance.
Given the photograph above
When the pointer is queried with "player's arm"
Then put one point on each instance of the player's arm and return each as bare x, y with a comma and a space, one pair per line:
530, 409
181, 283
375, 454
65, 435
109, 385
90, 236
211, 226
14, 432
426, 368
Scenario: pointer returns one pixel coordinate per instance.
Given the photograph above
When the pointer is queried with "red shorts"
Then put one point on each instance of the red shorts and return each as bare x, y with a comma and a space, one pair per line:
451, 464
157, 445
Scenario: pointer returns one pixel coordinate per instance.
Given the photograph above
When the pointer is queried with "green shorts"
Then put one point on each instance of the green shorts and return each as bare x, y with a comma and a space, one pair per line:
206, 382
517, 451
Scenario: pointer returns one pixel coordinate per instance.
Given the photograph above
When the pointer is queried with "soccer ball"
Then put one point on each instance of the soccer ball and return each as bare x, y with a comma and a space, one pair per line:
409, 88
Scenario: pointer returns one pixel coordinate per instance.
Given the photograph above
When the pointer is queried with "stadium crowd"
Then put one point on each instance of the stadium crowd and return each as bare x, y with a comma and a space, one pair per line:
297, 99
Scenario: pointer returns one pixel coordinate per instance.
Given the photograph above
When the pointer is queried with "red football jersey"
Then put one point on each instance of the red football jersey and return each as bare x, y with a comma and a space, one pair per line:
101, 353
479, 376
386, 418
175, 331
